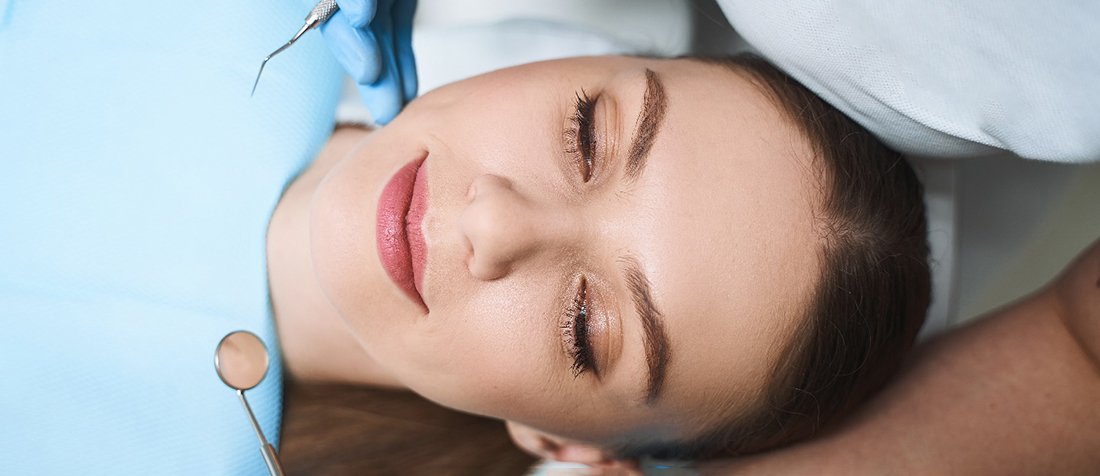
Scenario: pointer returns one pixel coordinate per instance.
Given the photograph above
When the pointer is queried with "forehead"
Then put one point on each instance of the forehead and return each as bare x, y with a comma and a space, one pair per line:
728, 202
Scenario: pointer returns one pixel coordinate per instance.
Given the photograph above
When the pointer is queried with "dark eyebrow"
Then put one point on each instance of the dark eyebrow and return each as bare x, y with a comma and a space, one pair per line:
648, 124
657, 351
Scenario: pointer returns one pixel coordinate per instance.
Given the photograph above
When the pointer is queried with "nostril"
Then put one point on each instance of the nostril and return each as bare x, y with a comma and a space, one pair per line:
471, 191
485, 271
487, 183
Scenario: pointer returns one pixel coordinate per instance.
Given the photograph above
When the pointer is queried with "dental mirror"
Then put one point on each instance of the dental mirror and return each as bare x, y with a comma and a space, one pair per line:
241, 361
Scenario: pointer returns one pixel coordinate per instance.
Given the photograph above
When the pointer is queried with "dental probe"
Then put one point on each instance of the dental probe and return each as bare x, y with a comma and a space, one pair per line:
320, 14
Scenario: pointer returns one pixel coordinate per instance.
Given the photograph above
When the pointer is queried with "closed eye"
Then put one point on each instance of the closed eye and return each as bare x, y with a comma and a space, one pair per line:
574, 327
580, 137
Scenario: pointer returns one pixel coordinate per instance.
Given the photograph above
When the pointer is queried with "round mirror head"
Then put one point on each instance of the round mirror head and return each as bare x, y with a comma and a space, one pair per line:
241, 360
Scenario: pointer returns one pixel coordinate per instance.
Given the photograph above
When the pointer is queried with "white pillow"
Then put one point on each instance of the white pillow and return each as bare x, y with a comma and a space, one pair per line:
947, 79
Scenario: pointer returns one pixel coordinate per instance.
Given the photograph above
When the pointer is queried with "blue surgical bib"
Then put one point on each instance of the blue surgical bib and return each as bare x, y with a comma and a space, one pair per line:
138, 178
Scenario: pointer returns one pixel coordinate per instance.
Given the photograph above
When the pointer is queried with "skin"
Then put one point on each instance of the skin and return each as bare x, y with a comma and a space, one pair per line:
720, 221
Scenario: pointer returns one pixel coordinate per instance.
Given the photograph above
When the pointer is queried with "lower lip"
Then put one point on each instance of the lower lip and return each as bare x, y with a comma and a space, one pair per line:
400, 240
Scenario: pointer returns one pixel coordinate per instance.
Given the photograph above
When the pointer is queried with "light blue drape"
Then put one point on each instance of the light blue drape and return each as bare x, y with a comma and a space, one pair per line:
136, 183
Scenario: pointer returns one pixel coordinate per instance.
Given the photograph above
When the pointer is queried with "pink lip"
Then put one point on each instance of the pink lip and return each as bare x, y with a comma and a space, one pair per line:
400, 239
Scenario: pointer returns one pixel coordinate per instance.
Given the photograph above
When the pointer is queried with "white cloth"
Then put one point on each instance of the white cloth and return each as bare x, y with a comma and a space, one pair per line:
457, 40
945, 78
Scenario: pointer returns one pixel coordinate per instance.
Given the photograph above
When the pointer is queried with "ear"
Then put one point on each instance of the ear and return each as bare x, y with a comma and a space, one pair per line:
556, 448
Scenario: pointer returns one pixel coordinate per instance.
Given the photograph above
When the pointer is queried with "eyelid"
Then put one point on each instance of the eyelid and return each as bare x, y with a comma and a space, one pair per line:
580, 136
601, 327
592, 146
586, 312
574, 328
605, 328
607, 134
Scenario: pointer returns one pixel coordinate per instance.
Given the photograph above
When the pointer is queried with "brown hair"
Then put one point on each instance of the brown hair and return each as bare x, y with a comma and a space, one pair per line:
872, 293
344, 429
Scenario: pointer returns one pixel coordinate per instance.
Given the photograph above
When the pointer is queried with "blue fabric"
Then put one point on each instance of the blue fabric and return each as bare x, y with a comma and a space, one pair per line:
138, 177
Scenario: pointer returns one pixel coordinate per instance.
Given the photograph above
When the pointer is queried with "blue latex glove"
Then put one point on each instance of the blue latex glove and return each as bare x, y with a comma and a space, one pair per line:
372, 39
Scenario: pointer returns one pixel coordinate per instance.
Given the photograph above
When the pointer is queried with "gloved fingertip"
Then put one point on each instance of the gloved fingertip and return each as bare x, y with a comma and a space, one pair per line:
385, 119
355, 49
359, 12
384, 103
373, 67
409, 83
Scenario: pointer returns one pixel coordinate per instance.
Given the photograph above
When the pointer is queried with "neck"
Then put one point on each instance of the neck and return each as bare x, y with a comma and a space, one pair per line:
316, 342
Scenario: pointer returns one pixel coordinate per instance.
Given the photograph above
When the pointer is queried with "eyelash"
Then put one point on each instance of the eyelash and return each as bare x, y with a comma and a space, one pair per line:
575, 330
578, 138
579, 145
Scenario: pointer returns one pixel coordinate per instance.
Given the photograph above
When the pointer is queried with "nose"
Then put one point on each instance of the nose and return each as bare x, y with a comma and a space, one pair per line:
503, 227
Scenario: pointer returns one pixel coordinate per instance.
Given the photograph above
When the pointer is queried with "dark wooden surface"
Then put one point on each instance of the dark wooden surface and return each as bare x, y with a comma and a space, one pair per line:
344, 430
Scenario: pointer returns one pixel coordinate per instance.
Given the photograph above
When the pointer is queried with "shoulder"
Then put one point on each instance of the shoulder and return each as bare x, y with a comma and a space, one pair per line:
1077, 292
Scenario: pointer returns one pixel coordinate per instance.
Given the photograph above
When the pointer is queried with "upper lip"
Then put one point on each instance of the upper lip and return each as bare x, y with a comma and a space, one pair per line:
414, 220
400, 240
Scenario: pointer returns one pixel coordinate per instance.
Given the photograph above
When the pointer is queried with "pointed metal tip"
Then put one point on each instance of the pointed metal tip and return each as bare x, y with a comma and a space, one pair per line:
306, 27
257, 82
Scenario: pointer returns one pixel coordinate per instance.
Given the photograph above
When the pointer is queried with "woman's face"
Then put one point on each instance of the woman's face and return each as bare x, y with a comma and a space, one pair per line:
612, 247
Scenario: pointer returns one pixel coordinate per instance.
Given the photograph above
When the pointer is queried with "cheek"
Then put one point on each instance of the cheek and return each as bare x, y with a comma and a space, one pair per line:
345, 264
486, 125
490, 355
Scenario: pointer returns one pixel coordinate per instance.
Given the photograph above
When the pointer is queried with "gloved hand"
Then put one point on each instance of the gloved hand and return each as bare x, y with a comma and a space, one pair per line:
372, 39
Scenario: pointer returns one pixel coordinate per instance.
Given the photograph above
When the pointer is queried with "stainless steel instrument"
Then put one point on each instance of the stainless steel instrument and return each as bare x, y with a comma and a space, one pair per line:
241, 361
320, 14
